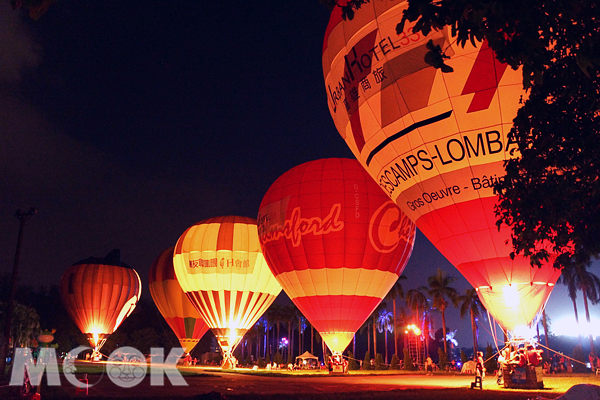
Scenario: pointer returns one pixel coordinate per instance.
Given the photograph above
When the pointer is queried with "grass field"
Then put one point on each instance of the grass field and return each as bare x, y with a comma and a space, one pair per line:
555, 386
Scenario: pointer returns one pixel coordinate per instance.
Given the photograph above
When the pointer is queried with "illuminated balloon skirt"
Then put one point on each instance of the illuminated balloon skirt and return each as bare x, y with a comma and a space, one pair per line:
228, 339
188, 344
97, 340
511, 290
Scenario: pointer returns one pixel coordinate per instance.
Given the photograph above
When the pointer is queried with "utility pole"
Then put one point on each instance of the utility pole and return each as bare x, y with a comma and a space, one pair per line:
4, 341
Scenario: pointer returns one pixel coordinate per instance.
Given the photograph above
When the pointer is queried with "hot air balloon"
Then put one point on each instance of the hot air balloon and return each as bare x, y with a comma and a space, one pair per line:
335, 242
173, 304
220, 267
99, 293
435, 143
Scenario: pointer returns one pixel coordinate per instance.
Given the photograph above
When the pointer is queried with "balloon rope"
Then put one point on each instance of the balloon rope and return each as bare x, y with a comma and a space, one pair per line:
493, 331
556, 352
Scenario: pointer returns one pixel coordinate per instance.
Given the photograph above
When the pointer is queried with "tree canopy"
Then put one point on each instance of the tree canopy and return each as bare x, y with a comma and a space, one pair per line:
550, 196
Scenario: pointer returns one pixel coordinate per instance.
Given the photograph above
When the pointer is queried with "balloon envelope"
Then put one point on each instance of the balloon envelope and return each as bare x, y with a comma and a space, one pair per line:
173, 304
220, 266
99, 293
335, 242
436, 143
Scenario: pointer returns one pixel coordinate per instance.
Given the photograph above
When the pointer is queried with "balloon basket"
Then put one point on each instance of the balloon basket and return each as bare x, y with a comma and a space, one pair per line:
528, 377
337, 370
338, 365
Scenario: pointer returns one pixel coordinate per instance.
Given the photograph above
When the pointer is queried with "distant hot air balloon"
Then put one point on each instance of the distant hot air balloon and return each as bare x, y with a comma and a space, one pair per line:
436, 143
99, 293
220, 266
335, 242
173, 304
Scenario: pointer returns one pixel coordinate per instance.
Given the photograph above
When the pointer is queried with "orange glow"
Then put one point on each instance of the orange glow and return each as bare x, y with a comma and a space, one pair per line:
434, 142
219, 265
98, 297
173, 304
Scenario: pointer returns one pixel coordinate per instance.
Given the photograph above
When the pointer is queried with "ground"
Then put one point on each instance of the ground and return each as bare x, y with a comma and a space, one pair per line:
212, 383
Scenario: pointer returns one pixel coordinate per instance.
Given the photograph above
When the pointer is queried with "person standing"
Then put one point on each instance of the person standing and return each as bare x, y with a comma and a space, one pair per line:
479, 367
429, 366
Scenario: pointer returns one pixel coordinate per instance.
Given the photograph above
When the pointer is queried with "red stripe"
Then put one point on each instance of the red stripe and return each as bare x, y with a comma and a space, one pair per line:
225, 237
483, 79
337, 313
334, 20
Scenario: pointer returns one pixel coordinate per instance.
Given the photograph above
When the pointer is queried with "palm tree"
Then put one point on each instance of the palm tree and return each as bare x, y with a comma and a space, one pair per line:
396, 291
470, 303
568, 277
417, 301
400, 324
301, 328
374, 318
545, 320
367, 325
385, 323
312, 339
579, 278
288, 315
441, 291
275, 315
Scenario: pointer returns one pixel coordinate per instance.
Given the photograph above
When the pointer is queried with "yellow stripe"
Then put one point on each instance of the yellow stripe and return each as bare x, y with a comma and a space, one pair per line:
354, 282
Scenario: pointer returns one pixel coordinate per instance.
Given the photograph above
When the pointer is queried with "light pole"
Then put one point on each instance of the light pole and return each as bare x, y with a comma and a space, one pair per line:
4, 341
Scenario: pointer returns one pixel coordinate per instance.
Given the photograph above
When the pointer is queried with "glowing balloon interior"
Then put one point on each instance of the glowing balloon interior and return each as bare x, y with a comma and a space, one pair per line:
173, 304
220, 266
335, 242
435, 142
99, 294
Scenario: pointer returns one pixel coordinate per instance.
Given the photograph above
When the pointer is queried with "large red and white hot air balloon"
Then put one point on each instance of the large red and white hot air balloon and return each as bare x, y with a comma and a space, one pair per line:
99, 293
435, 143
335, 242
220, 266
173, 304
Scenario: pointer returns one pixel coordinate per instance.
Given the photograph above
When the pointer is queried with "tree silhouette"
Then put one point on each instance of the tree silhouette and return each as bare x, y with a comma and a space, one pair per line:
396, 291
417, 302
470, 303
441, 292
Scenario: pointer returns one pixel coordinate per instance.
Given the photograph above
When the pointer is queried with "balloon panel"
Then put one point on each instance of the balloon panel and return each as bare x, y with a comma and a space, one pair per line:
99, 297
172, 302
219, 265
435, 142
335, 243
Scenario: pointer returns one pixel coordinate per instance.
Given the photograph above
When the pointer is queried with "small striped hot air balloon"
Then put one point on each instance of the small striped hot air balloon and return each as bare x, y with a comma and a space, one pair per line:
173, 304
436, 143
335, 242
220, 266
99, 293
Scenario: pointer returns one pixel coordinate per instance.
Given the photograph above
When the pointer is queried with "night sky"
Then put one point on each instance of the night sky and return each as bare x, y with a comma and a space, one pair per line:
125, 123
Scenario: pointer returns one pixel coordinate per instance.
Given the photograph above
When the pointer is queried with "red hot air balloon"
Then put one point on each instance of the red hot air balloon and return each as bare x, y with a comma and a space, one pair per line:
221, 268
173, 304
335, 242
436, 143
99, 293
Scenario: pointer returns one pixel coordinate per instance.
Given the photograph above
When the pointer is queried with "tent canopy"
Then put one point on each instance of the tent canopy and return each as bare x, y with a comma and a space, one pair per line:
307, 356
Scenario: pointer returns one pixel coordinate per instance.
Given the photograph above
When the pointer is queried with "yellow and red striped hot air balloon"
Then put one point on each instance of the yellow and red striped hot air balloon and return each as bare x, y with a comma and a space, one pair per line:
173, 304
220, 266
335, 242
435, 142
99, 293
